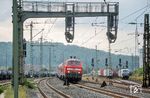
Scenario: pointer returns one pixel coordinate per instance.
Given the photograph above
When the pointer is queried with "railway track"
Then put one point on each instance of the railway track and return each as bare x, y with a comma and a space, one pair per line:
48, 93
74, 91
58, 91
3, 83
40, 89
82, 90
123, 84
126, 85
106, 92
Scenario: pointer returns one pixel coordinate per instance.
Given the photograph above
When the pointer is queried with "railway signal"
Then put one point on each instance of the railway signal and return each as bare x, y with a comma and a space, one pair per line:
120, 65
24, 48
69, 22
126, 64
106, 62
92, 62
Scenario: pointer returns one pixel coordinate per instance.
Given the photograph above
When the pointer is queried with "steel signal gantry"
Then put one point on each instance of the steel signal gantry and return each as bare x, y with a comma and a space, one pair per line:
70, 10
23, 10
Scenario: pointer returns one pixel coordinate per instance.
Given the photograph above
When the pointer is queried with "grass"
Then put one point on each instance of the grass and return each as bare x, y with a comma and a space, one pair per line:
9, 92
29, 84
137, 75
3, 88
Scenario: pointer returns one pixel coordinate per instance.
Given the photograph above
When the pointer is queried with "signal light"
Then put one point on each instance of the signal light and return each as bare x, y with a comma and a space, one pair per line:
106, 62
24, 47
120, 62
92, 62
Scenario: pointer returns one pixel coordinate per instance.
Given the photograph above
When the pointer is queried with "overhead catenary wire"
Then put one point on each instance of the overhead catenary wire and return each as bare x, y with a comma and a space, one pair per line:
134, 12
145, 8
92, 37
41, 31
49, 30
95, 33
38, 33
87, 30
122, 41
142, 13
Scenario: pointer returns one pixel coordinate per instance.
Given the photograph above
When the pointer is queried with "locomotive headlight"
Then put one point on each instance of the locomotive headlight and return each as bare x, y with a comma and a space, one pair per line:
68, 71
78, 69
69, 68
78, 72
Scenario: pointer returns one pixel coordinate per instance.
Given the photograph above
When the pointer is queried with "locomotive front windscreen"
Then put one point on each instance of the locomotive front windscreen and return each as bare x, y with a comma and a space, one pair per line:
73, 62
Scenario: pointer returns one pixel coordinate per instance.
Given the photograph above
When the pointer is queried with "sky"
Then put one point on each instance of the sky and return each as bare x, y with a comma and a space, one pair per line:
86, 35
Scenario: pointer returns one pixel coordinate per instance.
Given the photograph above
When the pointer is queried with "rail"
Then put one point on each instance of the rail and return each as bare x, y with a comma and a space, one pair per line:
58, 91
106, 92
54, 89
40, 90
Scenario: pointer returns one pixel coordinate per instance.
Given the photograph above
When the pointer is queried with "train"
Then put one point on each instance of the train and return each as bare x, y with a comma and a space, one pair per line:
123, 73
70, 69
5, 74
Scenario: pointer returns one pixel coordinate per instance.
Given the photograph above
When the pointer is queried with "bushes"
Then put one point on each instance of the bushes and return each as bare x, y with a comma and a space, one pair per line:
2, 89
29, 84
138, 71
137, 75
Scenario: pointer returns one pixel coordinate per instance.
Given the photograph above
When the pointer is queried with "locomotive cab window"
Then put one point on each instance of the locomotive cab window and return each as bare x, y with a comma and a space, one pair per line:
125, 70
73, 62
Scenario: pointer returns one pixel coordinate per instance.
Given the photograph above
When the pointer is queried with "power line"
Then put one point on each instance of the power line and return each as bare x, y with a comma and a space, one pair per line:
134, 13
38, 33
142, 13
51, 27
123, 41
92, 37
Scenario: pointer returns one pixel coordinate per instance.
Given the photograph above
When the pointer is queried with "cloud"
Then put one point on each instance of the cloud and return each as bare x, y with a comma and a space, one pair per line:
5, 10
6, 30
83, 31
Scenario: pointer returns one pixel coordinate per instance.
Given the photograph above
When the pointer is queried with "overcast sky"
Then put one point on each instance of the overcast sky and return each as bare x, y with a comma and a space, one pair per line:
83, 29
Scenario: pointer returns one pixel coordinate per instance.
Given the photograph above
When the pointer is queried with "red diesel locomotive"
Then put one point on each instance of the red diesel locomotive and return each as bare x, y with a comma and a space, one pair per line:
71, 70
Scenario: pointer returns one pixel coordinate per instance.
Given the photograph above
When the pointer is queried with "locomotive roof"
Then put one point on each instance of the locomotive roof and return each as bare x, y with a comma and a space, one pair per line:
72, 59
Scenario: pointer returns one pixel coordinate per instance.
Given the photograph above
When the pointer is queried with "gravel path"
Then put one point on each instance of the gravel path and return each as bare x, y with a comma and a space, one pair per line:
33, 93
